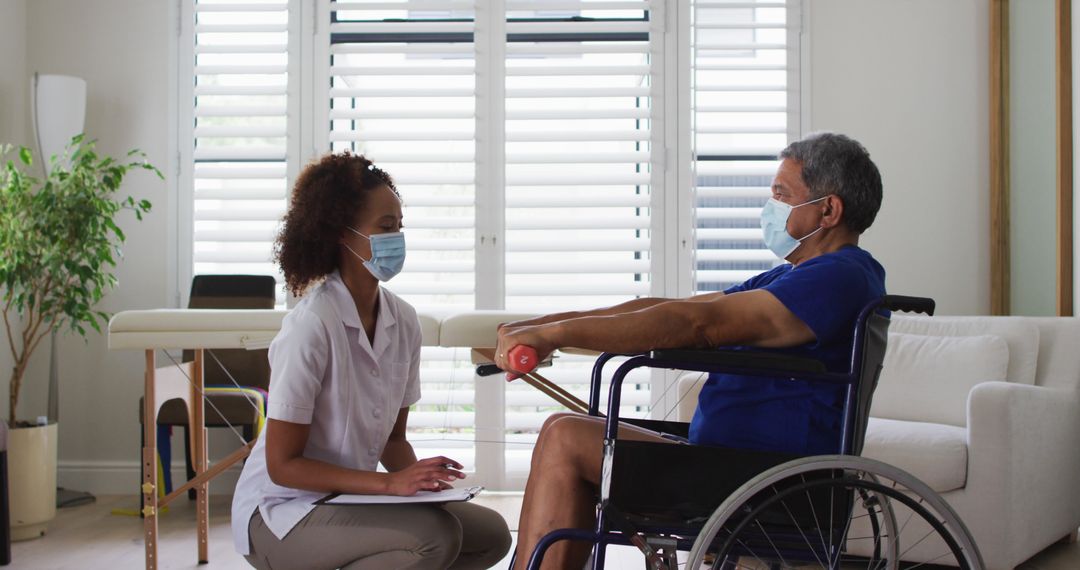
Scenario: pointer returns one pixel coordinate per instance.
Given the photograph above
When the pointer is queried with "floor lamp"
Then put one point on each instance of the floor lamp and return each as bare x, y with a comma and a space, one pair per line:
59, 113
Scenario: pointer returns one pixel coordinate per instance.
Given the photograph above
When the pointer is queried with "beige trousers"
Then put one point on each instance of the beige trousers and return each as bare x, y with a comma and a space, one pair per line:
462, 536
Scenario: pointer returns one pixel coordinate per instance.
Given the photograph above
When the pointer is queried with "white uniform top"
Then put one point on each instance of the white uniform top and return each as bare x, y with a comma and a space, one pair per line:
325, 373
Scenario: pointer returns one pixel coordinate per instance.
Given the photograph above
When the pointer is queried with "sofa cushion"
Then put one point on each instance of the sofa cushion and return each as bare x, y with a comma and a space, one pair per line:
935, 453
1020, 333
927, 378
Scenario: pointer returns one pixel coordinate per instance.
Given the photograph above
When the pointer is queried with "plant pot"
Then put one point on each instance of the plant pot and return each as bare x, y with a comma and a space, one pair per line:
32, 480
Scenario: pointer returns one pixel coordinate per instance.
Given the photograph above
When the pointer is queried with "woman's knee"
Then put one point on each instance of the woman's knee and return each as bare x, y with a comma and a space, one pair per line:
485, 536
443, 534
432, 541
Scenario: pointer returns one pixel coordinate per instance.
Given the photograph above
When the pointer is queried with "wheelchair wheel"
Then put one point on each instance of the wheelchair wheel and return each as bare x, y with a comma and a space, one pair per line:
834, 512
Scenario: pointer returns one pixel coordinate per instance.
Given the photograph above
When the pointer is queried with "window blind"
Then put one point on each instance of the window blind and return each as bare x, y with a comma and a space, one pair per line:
743, 94
579, 152
580, 174
557, 133
236, 160
402, 91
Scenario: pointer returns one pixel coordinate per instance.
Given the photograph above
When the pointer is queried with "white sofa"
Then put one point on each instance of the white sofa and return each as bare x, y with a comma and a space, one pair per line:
985, 410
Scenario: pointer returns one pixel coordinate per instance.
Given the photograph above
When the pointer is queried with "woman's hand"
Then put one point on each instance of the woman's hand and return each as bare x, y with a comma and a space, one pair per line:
538, 337
431, 474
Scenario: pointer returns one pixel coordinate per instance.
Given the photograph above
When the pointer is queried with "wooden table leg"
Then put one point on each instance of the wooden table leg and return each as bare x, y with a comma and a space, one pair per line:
150, 471
199, 438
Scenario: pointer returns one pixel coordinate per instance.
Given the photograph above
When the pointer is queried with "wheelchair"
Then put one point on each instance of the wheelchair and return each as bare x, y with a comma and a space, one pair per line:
739, 508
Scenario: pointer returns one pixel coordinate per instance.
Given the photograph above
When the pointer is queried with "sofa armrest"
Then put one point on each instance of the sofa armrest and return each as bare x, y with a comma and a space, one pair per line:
1023, 463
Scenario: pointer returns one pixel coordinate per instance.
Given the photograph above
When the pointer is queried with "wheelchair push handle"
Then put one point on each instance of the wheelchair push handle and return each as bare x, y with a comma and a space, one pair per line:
908, 304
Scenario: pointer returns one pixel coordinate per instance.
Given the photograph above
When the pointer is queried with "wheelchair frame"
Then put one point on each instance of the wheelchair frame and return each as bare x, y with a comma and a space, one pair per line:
868, 347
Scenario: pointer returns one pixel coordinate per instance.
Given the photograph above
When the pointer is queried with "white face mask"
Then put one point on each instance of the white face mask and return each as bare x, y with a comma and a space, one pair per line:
387, 254
774, 217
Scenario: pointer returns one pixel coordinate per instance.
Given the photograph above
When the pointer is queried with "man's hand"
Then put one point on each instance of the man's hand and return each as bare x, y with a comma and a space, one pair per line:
539, 337
431, 474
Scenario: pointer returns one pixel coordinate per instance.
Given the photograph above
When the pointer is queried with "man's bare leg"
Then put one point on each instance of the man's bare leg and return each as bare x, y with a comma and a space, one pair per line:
562, 486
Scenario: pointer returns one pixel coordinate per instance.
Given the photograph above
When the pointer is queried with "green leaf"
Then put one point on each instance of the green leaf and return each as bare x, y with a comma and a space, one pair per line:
63, 230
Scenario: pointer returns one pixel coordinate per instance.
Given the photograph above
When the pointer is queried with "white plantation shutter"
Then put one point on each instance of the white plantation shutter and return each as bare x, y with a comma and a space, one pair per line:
235, 161
579, 152
520, 136
401, 78
402, 92
581, 167
745, 94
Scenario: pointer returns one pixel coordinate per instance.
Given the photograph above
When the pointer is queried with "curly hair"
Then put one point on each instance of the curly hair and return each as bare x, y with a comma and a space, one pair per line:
327, 196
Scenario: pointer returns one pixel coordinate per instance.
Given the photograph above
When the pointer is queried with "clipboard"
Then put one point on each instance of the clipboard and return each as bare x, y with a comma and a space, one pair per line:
448, 496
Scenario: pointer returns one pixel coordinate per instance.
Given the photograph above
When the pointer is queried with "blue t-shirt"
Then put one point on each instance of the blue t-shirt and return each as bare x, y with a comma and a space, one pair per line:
780, 414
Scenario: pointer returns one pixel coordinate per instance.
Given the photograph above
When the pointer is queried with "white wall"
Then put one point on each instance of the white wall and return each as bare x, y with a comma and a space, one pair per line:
909, 80
14, 99
14, 87
121, 48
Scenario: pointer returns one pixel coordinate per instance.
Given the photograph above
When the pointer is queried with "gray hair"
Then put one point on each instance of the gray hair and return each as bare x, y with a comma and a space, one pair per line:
836, 164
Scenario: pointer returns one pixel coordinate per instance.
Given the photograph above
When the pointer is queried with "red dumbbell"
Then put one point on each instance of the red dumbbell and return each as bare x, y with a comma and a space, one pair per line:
523, 359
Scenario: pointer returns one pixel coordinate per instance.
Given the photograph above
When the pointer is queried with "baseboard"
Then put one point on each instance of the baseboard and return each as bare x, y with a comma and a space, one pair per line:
123, 478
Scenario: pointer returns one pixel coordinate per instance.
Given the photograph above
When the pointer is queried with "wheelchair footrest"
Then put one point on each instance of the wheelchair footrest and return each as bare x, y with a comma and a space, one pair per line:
661, 552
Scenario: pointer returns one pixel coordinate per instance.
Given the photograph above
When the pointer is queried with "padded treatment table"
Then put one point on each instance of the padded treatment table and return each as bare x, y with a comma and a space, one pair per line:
195, 329
201, 329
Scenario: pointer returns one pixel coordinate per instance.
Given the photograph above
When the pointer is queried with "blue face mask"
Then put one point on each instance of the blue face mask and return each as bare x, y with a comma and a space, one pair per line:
387, 254
774, 217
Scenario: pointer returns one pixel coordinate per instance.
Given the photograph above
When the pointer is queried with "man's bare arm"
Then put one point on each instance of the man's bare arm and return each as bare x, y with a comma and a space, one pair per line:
754, 318
627, 307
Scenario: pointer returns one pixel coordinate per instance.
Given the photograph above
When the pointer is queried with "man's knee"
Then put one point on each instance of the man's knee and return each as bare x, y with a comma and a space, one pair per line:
554, 418
571, 439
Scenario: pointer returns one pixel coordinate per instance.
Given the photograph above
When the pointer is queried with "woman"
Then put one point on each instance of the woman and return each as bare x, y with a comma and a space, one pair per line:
345, 369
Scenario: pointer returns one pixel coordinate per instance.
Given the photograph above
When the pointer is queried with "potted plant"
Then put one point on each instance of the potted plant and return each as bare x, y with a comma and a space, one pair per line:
59, 242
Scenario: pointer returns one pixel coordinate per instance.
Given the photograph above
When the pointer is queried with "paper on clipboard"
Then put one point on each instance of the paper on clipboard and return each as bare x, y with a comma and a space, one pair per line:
447, 496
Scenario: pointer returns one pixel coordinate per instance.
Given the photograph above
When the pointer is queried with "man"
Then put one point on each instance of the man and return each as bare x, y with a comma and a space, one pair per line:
826, 192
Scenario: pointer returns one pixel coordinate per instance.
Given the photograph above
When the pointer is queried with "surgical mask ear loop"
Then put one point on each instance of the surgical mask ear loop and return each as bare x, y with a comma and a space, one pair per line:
355, 231
358, 256
820, 227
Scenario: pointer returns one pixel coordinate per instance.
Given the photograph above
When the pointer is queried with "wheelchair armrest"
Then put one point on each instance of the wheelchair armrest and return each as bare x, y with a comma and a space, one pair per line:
743, 360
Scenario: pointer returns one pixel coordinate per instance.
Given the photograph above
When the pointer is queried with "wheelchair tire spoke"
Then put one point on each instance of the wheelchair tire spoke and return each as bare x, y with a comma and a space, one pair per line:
917, 542
900, 532
765, 533
750, 550
796, 524
931, 561
817, 524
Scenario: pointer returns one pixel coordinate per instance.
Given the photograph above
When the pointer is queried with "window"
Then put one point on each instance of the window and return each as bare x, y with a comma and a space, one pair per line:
234, 159
532, 142
745, 98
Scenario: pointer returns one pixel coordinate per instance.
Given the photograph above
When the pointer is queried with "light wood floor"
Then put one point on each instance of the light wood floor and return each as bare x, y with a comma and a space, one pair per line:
91, 536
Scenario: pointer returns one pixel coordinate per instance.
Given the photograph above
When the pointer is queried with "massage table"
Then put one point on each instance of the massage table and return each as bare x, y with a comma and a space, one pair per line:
202, 329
